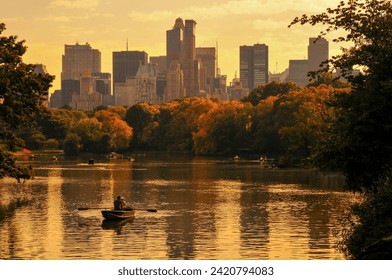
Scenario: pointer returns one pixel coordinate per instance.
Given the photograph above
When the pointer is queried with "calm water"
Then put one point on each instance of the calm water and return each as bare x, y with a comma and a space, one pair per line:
207, 209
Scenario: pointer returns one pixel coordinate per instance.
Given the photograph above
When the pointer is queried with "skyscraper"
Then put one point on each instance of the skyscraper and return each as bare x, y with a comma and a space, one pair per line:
181, 50
174, 81
253, 65
126, 64
188, 61
208, 58
174, 42
78, 59
318, 51
298, 71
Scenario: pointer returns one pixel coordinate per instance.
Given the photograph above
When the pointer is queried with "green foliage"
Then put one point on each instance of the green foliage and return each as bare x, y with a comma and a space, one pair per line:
71, 144
367, 223
138, 117
22, 94
90, 132
53, 125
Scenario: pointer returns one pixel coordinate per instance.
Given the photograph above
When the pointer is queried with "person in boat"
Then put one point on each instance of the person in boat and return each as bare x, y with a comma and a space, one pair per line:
119, 203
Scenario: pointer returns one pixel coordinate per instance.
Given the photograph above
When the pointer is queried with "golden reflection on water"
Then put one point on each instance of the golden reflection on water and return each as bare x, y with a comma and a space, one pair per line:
206, 210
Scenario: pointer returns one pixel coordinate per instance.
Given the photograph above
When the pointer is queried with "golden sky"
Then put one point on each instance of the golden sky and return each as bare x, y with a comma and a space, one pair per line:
47, 25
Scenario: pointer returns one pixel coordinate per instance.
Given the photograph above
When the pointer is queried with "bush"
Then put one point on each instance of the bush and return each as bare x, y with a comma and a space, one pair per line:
367, 225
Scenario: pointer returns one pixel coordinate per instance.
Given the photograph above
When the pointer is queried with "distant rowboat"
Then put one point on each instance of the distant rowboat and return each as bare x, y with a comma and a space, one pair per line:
118, 214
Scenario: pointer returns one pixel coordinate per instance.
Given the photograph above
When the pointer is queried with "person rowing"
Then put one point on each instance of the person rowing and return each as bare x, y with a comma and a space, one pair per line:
119, 203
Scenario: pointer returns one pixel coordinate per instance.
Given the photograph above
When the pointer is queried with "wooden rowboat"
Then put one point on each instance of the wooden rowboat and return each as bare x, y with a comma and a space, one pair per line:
118, 214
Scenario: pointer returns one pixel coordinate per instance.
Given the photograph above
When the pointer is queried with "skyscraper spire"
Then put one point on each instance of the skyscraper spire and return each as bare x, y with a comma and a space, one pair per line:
127, 45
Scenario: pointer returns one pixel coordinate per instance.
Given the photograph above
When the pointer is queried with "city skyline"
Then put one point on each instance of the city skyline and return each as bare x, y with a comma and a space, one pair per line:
109, 25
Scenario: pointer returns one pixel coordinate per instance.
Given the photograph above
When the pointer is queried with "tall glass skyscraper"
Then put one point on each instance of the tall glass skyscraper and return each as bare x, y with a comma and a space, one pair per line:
126, 64
253, 65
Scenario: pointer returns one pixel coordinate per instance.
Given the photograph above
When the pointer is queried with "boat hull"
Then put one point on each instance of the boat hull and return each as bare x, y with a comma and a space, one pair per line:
117, 214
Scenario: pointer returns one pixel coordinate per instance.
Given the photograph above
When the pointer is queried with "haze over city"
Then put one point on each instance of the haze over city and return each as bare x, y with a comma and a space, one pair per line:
106, 25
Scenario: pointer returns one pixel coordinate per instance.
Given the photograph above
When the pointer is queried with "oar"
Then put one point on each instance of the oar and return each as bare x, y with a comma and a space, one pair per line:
94, 208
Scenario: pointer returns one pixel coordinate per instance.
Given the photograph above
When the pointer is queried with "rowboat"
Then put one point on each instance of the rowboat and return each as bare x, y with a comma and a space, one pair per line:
118, 214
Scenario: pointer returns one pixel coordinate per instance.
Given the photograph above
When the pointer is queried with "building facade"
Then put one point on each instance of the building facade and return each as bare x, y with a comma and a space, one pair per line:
208, 68
126, 64
318, 52
88, 98
174, 81
298, 72
188, 62
174, 42
78, 59
146, 84
254, 66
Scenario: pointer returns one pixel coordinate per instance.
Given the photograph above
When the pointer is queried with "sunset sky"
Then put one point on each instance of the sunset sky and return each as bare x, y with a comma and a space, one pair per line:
47, 25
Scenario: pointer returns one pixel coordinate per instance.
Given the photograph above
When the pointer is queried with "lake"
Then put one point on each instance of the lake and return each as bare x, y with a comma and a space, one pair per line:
208, 209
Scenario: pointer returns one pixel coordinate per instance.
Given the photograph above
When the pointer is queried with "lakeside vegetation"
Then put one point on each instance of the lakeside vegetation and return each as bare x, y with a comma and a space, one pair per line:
330, 124
285, 124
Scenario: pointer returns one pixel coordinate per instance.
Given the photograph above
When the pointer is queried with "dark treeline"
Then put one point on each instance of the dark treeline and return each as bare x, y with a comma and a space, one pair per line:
279, 120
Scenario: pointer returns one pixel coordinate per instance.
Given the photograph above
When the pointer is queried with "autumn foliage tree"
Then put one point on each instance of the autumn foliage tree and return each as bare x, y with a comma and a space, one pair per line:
223, 129
117, 129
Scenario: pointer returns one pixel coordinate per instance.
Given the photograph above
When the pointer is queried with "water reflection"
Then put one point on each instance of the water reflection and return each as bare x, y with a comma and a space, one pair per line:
207, 209
115, 225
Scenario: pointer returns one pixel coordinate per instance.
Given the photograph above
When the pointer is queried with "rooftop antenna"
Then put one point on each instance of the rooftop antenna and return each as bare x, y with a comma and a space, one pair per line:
127, 45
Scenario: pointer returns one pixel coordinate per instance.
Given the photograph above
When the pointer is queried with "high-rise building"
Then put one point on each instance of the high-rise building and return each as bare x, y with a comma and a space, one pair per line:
174, 42
161, 63
208, 59
298, 70
146, 84
180, 48
188, 61
126, 64
253, 65
78, 59
68, 89
88, 98
318, 51
174, 81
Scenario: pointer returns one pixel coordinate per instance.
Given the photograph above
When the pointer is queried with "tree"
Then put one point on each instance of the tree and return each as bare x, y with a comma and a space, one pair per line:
22, 96
272, 89
328, 79
118, 130
138, 117
310, 117
90, 133
186, 114
360, 141
71, 144
223, 129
